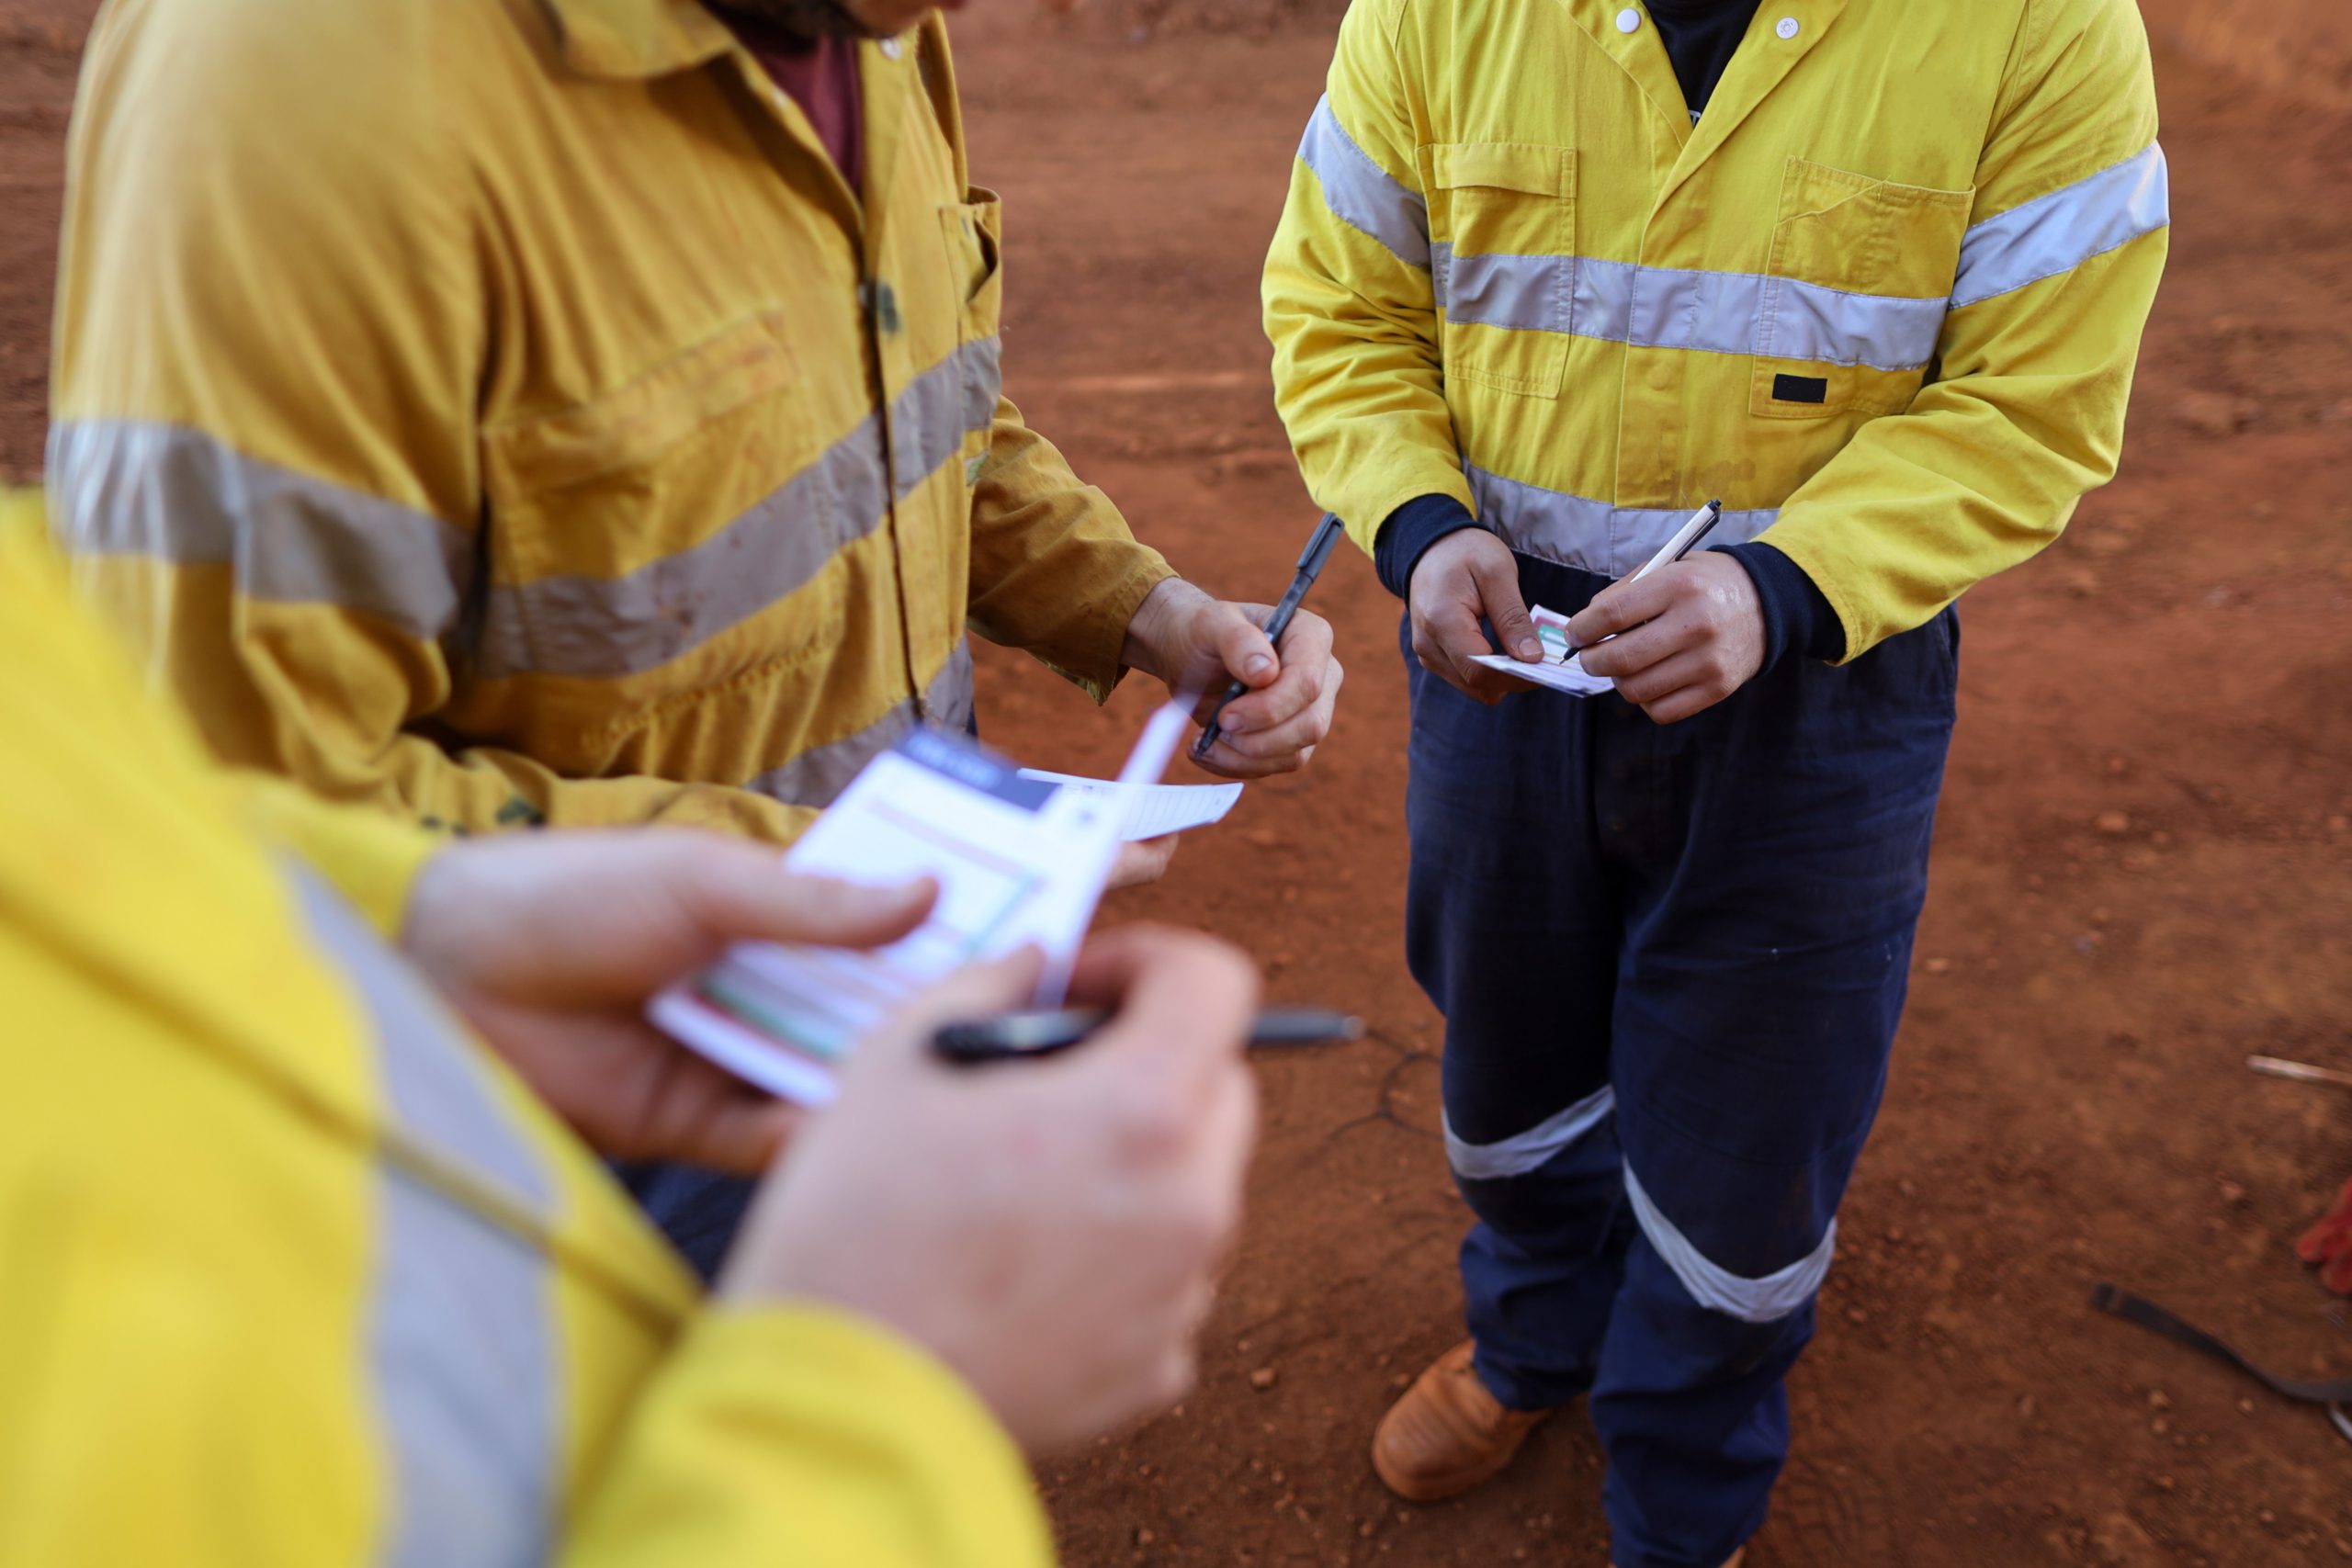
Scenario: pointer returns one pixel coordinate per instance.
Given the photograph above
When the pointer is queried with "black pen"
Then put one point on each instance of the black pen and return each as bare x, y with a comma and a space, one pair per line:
1310, 564
1041, 1034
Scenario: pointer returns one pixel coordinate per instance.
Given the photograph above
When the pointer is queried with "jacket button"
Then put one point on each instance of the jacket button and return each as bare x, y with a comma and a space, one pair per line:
891, 46
1786, 26
1628, 19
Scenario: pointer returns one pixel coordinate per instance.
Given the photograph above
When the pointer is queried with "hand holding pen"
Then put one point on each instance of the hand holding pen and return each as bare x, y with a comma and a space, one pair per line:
1679, 636
1240, 743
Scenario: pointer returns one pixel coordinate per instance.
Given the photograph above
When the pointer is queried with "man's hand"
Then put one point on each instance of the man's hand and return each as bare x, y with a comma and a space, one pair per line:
1140, 861
1468, 576
550, 944
1688, 635
1194, 643
1056, 1240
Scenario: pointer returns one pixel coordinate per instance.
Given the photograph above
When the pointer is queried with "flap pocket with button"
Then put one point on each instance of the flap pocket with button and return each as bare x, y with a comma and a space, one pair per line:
1856, 285
1502, 220
616, 529
973, 230
1504, 197
637, 422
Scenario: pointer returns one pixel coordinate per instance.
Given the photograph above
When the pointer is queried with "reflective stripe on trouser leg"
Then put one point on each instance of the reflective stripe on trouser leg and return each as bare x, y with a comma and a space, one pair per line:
1541, 1267
1765, 1300
461, 1329
1523, 1152
1512, 939
1770, 855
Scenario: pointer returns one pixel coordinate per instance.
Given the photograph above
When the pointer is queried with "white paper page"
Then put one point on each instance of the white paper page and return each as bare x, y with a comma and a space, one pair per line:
1009, 874
1098, 842
1154, 809
1569, 677
1018, 863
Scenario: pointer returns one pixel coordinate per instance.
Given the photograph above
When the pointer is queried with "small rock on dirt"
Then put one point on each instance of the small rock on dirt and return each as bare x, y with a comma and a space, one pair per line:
2216, 414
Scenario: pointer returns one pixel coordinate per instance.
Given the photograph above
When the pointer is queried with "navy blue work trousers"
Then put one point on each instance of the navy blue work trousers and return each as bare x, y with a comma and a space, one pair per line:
699, 1211
1670, 959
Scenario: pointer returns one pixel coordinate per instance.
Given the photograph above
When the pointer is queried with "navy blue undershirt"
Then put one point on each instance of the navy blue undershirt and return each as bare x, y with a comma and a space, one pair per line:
1700, 36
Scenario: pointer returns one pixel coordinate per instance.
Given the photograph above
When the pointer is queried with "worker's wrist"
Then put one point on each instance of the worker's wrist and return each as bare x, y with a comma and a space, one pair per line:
1798, 617
1155, 640
1408, 533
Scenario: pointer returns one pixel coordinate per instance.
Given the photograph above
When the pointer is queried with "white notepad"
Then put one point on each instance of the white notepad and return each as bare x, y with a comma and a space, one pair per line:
1569, 677
1020, 862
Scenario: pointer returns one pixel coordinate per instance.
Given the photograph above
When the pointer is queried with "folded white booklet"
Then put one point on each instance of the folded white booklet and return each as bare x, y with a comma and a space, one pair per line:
1560, 670
1019, 862
1569, 677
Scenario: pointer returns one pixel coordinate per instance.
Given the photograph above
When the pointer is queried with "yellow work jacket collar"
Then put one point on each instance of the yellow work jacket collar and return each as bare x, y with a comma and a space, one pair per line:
640, 39
1752, 75
626, 40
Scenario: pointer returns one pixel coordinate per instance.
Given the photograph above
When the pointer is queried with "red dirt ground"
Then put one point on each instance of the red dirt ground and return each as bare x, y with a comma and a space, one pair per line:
2143, 873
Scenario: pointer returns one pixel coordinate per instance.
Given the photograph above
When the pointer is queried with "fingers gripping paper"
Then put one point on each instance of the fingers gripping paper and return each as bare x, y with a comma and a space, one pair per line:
1018, 861
1560, 671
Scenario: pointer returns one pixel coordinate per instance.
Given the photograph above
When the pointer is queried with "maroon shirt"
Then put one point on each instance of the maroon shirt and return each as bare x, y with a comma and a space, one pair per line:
820, 75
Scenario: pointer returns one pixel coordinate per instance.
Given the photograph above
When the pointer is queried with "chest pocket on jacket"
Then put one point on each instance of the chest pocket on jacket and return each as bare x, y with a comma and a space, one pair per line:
1502, 226
634, 532
1855, 294
972, 232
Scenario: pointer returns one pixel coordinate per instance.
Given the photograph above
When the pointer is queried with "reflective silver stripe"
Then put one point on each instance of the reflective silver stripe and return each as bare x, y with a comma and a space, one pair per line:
1715, 312
606, 626
2061, 231
124, 487
1808, 321
1767, 1300
1591, 536
941, 406
1361, 193
819, 775
1522, 1152
1531, 293
462, 1330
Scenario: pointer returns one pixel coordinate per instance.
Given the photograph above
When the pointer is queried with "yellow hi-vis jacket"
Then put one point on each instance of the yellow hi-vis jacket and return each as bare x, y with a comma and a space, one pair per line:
1883, 298
293, 1275
501, 411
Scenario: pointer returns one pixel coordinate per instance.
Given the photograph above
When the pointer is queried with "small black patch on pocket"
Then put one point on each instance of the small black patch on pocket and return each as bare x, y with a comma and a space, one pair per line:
1800, 389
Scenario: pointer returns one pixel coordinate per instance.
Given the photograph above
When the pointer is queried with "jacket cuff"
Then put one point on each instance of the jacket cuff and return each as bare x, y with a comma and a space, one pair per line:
810, 1434
1086, 648
1408, 533
1798, 617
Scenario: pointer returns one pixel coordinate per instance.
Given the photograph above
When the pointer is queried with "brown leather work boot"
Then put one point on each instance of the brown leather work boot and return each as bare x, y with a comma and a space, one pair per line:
1447, 1434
